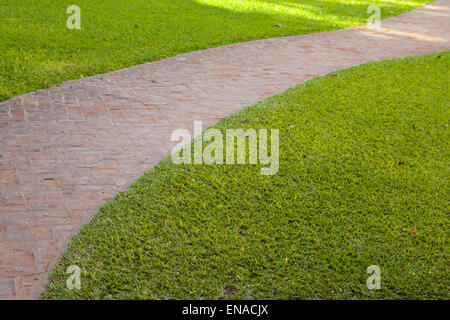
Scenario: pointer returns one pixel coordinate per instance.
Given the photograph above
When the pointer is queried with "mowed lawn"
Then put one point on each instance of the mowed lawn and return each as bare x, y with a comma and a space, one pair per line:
39, 51
363, 180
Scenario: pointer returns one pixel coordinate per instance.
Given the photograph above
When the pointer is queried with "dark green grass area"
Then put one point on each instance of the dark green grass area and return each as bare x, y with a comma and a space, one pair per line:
363, 180
38, 50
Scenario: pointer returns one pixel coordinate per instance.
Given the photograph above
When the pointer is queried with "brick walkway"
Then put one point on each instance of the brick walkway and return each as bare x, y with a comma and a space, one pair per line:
65, 151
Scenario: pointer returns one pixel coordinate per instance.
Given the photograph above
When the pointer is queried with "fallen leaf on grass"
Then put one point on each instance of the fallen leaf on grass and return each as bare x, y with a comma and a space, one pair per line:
230, 290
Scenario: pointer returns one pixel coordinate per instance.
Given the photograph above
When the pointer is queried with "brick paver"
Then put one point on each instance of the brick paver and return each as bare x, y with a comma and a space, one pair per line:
65, 151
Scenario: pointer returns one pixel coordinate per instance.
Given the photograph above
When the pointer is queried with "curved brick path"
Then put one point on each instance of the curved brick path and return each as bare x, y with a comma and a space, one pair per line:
64, 151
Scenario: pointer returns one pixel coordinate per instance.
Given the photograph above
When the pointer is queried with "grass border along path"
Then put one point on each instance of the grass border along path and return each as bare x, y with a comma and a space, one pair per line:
39, 51
362, 181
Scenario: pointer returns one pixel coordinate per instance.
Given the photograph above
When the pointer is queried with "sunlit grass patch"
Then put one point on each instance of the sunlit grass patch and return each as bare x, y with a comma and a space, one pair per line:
136, 32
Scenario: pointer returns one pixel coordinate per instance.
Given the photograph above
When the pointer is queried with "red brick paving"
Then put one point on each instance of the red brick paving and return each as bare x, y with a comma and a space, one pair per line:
65, 151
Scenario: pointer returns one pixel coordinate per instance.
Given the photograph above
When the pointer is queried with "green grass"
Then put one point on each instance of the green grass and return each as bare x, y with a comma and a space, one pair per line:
39, 51
363, 180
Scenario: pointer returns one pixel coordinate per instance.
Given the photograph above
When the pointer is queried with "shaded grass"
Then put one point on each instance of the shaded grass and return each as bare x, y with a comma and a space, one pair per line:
38, 51
363, 180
